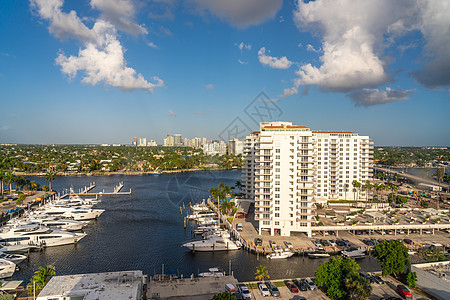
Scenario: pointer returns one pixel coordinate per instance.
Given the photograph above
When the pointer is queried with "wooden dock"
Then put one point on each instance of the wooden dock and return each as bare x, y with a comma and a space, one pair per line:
85, 191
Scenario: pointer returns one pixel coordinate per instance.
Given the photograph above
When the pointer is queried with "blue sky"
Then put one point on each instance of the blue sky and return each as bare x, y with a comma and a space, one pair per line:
104, 71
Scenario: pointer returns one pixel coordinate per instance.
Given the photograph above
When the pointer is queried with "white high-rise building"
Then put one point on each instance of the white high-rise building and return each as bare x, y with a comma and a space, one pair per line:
288, 169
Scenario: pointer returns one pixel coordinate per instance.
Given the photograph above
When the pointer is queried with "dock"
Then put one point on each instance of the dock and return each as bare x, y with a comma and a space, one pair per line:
86, 191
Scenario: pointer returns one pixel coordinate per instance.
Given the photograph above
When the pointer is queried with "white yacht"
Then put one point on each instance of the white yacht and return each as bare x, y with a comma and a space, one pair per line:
199, 207
7, 268
34, 234
318, 254
76, 213
278, 253
49, 221
213, 243
213, 272
354, 253
14, 258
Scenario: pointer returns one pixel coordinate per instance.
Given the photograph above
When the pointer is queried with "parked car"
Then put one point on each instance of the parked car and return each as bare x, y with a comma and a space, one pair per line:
340, 243
273, 289
230, 288
300, 284
367, 276
317, 243
288, 244
347, 243
325, 243
291, 286
408, 241
245, 292
258, 242
272, 244
238, 296
332, 243
297, 297
377, 279
311, 285
264, 290
239, 227
403, 291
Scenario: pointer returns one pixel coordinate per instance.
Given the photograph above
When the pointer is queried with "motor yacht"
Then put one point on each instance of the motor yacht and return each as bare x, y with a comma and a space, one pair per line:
318, 254
7, 268
14, 258
354, 253
278, 253
76, 213
213, 243
34, 234
213, 272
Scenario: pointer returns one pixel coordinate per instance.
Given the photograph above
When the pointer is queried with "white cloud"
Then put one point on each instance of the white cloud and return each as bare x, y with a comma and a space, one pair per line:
311, 48
62, 25
120, 13
289, 92
240, 13
172, 114
153, 45
102, 57
434, 23
242, 62
209, 86
242, 46
355, 34
273, 62
370, 97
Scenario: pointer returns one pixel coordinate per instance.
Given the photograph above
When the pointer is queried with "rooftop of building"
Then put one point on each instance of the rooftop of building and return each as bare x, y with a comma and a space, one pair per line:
108, 285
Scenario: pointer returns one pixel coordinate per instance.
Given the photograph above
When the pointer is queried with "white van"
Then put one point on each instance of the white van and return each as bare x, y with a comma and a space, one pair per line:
239, 227
229, 288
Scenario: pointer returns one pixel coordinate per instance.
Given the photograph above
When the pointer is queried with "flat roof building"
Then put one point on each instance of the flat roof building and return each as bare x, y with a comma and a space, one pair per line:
95, 286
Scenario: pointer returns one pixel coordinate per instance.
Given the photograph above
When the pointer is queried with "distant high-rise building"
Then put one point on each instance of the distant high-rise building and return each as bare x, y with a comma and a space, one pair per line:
177, 141
170, 141
235, 147
135, 140
214, 148
142, 142
152, 143
288, 169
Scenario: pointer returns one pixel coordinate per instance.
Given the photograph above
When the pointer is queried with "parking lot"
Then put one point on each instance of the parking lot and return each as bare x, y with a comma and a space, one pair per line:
379, 291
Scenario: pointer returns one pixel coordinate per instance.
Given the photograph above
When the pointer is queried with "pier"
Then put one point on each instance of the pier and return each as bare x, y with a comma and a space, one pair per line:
86, 191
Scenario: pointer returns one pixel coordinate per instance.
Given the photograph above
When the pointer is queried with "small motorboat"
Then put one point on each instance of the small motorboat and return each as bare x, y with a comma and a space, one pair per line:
278, 253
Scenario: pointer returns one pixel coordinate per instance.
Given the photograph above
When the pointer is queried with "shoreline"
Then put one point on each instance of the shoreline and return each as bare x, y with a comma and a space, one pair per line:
134, 173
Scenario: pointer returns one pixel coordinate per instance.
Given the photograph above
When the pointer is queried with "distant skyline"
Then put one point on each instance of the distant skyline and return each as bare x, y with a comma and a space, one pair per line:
105, 71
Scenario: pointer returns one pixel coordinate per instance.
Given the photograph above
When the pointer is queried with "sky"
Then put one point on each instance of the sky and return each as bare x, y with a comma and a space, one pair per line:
105, 71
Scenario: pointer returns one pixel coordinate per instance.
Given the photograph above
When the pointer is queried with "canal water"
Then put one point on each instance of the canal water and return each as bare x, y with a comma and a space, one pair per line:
144, 231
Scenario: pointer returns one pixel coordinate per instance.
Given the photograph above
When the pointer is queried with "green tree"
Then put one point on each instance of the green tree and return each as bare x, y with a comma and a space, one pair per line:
356, 186
45, 188
224, 296
50, 176
358, 286
333, 274
393, 256
368, 187
261, 273
34, 185
8, 179
432, 254
411, 278
40, 278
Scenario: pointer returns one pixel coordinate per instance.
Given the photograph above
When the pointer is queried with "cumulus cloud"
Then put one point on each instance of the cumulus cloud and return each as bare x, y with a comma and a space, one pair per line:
273, 62
172, 114
102, 57
242, 62
370, 97
62, 25
311, 48
120, 13
289, 92
238, 12
242, 46
355, 34
209, 86
435, 27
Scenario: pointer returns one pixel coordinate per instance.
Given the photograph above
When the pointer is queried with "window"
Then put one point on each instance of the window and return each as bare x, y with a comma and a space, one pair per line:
277, 222
277, 189
277, 201
277, 156
277, 208
277, 150
277, 163
277, 215
278, 169
277, 195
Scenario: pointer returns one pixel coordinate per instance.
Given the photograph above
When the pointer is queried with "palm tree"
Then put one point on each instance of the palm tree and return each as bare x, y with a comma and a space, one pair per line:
8, 179
261, 273
2, 175
34, 185
368, 187
50, 176
356, 186
238, 185
40, 277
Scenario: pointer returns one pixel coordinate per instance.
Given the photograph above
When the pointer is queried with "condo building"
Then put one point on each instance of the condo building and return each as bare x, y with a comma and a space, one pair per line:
290, 170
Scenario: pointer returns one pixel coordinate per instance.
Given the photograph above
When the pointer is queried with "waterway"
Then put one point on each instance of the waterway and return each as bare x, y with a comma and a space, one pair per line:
145, 231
